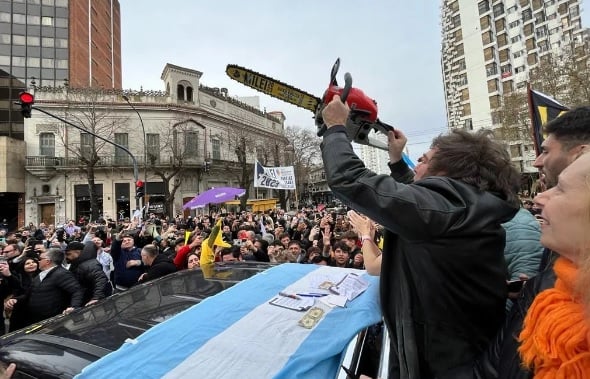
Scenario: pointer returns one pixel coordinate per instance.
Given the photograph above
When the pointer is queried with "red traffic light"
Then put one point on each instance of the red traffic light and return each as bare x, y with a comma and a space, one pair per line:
139, 183
26, 98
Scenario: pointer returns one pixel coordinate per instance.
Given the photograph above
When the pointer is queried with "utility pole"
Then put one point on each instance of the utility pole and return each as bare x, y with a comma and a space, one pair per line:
144, 153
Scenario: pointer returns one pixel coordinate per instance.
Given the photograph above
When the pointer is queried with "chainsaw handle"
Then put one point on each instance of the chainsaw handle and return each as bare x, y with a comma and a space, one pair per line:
347, 87
343, 97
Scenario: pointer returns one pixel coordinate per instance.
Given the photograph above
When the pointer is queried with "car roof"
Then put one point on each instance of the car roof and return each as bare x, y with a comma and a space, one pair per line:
89, 333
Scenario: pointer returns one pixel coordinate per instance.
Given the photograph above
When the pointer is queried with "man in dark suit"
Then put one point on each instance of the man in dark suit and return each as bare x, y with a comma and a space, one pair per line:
55, 290
159, 264
88, 271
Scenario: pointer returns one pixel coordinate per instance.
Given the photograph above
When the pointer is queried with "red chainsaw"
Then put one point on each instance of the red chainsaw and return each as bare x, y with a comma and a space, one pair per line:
363, 110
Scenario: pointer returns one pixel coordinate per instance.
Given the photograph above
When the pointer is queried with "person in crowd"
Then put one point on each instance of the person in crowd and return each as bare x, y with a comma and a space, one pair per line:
445, 242
295, 253
192, 261
567, 136
341, 255
546, 332
55, 290
126, 260
194, 245
231, 254
157, 264
103, 256
20, 283
88, 271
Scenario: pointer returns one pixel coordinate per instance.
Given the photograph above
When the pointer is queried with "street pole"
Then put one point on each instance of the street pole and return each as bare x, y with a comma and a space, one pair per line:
133, 160
144, 154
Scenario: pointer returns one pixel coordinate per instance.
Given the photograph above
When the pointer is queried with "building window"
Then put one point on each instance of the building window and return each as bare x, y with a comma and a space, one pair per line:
483, 6
504, 55
487, 38
152, 141
507, 86
180, 92
468, 124
456, 21
191, 142
189, 93
47, 42
484, 22
493, 85
489, 53
462, 80
465, 94
515, 39
19, 18
466, 110
527, 14
495, 101
121, 156
32, 41
502, 40
519, 69
19, 40
514, 24
47, 21
498, 10
216, 147
47, 144
491, 69
460, 50
86, 145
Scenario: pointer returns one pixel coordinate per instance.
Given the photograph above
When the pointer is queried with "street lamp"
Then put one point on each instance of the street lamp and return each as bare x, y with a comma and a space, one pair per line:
144, 150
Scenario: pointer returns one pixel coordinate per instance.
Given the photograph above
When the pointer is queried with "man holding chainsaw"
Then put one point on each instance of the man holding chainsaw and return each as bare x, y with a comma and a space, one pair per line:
443, 288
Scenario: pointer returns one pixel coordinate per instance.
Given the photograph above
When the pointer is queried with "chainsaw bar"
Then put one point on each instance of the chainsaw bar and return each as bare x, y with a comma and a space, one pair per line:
272, 87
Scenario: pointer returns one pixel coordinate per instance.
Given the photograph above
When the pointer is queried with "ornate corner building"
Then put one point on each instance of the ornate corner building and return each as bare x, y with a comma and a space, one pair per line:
184, 140
488, 50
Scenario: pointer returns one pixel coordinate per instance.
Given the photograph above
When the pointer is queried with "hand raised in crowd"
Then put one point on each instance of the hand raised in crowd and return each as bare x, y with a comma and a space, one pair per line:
68, 310
327, 236
5, 269
314, 232
363, 225
396, 142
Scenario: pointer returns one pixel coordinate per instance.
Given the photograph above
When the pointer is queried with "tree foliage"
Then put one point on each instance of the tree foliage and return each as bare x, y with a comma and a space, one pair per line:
87, 109
565, 76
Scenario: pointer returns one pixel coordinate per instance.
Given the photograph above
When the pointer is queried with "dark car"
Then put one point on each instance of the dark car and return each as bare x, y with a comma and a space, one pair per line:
62, 346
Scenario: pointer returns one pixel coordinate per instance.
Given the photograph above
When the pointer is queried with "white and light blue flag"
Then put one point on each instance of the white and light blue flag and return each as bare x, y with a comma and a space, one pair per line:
238, 334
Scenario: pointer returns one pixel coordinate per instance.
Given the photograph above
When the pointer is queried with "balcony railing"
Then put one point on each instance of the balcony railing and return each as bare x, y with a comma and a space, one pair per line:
104, 161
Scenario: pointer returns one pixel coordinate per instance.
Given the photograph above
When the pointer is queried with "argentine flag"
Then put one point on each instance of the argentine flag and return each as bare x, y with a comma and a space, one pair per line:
238, 334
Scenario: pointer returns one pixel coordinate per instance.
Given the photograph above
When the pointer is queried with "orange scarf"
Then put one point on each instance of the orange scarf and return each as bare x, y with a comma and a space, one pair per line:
555, 336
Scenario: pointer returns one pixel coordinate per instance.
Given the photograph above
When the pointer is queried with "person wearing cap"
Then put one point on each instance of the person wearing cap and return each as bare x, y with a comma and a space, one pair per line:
88, 271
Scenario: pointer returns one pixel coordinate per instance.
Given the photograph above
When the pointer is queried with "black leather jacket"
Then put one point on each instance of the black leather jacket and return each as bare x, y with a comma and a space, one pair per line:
443, 286
502, 360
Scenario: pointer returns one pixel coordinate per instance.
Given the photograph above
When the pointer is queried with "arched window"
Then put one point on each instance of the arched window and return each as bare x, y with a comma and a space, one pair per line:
180, 92
189, 93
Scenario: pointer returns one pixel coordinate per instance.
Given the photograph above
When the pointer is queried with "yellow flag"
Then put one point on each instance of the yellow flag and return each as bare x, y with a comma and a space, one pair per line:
208, 245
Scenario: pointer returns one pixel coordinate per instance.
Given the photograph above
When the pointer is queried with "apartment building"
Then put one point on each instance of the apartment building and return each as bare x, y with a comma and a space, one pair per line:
49, 43
488, 50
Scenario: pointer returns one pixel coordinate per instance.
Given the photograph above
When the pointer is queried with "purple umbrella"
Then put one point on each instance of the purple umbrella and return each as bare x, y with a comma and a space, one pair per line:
214, 196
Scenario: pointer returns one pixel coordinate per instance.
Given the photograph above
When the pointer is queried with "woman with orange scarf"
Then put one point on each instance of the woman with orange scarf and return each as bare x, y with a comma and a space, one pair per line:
547, 333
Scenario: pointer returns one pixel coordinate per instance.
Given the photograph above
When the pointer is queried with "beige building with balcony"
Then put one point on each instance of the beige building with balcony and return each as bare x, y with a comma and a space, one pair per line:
188, 125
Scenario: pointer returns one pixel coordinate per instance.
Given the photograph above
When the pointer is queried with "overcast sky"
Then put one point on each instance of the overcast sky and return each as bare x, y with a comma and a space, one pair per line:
391, 48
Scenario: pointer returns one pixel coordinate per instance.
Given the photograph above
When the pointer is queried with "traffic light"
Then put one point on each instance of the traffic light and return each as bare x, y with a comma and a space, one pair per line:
139, 189
26, 100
